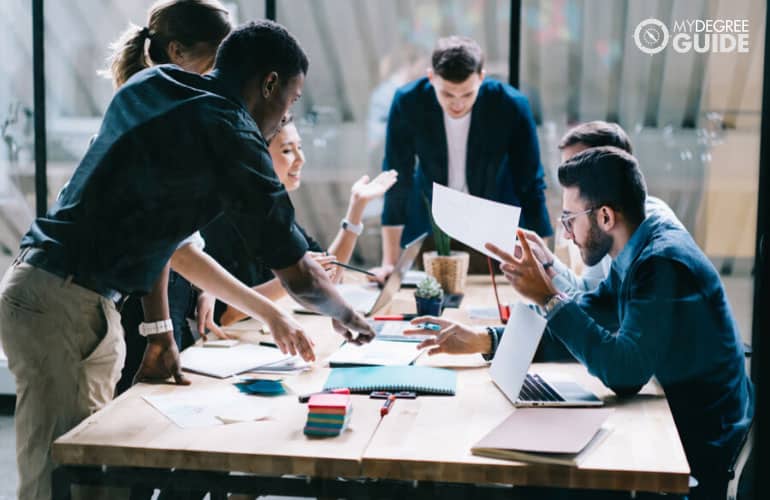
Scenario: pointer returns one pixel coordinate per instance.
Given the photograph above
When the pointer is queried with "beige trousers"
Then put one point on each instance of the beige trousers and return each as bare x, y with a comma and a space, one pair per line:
65, 347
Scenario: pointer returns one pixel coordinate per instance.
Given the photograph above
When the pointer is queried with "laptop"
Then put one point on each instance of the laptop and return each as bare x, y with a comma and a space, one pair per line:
369, 300
509, 370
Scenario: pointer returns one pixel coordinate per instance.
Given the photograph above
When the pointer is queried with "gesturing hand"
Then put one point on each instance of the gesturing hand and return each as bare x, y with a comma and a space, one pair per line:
357, 323
290, 337
454, 337
525, 273
204, 313
366, 190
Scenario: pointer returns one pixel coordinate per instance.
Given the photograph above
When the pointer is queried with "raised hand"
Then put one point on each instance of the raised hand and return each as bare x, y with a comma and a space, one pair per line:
525, 273
366, 190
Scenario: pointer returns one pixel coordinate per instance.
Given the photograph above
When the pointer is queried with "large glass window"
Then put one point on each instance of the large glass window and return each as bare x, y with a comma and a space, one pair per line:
77, 39
360, 52
693, 118
17, 149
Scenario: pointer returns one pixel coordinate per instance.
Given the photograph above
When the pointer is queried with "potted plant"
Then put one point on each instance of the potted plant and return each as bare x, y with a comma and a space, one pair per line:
429, 297
450, 268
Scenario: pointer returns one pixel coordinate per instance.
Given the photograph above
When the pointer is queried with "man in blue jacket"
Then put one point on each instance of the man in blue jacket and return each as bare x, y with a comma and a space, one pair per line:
662, 312
460, 130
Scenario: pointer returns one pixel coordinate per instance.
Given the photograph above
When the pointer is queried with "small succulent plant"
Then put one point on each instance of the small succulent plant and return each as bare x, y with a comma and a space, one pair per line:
429, 288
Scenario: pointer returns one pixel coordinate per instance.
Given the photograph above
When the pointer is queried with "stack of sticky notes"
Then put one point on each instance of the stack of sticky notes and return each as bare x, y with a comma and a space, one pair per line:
328, 414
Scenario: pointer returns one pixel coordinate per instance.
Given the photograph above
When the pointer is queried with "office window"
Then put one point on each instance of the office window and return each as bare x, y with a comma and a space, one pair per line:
693, 118
77, 39
360, 52
17, 150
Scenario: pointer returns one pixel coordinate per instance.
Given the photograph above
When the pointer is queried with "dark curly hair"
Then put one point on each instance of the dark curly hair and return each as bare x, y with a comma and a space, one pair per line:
258, 48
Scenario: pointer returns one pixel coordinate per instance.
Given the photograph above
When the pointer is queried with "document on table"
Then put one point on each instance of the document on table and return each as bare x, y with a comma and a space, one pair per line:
475, 221
375, 353
226, 362
191, 408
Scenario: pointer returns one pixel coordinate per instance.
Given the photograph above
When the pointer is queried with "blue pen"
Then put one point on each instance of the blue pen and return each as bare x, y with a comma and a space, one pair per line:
429, 326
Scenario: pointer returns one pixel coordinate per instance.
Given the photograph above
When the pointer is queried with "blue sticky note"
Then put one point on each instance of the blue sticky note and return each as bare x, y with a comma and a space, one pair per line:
263, 387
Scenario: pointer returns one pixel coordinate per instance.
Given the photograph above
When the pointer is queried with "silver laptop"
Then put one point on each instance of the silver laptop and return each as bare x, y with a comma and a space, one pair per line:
511, 363
368, 300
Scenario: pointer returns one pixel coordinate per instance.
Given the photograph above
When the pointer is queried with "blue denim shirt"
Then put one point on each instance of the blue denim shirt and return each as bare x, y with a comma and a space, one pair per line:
662, 312
503, 156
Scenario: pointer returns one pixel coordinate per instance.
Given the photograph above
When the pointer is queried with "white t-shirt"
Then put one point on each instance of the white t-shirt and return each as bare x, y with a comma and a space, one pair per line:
457, 149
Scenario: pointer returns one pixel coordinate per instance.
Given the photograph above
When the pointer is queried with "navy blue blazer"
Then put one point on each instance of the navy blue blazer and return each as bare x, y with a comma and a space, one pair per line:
503, 158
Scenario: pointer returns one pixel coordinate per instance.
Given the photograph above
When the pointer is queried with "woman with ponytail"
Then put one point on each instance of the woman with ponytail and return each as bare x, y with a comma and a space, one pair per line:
182, 32
186, 33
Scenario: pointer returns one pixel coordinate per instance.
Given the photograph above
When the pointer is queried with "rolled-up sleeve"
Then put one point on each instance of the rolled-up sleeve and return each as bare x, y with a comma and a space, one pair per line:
257, 204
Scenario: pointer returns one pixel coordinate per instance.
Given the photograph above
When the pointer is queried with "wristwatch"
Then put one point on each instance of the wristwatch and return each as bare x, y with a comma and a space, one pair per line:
553, 301
356, 229
156, 327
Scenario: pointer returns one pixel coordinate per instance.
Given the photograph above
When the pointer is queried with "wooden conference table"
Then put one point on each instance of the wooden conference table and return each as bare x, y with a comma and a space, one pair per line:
423, 445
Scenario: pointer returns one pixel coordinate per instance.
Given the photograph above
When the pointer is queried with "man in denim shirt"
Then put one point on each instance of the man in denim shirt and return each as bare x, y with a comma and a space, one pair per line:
661, 312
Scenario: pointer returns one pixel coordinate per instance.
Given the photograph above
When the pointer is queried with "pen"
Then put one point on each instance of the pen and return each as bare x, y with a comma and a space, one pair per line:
387, 405
398, 395
429, 326
395, 317
306, 397
353, 268
267, 343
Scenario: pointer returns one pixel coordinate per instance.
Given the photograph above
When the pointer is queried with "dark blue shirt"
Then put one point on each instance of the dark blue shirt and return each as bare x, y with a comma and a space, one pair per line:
224, 244
662, 312
502, 161
175, 150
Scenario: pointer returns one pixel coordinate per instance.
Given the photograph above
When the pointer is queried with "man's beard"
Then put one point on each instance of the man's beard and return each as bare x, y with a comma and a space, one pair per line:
596, 246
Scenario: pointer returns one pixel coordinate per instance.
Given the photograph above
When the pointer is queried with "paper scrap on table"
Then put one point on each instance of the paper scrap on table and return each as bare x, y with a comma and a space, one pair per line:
199, 408
475, 221
483, 313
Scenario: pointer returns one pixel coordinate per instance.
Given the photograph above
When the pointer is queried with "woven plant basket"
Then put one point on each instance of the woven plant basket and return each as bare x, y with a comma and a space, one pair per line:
451, 272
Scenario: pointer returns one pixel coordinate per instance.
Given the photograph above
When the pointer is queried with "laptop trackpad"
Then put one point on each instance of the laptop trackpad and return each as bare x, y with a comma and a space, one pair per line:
571, 391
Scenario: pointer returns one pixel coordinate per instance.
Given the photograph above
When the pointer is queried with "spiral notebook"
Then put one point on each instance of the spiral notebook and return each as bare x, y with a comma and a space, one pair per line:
419, 379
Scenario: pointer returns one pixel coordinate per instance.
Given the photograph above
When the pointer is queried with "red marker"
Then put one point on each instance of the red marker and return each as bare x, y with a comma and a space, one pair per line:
306, 397
395, 317
387, 405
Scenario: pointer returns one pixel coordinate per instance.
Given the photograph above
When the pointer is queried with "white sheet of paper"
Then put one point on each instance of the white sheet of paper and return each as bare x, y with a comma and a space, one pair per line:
224, 363
475, 221
376, 353
289, 366
205, 408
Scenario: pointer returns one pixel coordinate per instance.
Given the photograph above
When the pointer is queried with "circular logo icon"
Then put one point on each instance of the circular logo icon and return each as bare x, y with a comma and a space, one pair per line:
651, 36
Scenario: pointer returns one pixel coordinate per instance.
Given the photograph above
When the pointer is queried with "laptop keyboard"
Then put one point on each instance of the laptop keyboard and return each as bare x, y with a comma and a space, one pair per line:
537, 389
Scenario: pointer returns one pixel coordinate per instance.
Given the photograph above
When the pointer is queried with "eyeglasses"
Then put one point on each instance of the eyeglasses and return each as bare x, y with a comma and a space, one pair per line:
567, 219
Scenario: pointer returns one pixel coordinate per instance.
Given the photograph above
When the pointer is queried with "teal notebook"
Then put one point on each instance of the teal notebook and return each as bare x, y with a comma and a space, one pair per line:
419, 379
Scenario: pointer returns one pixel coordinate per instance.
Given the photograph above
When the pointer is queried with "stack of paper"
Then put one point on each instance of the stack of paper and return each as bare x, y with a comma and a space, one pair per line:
328, 414
226, 362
